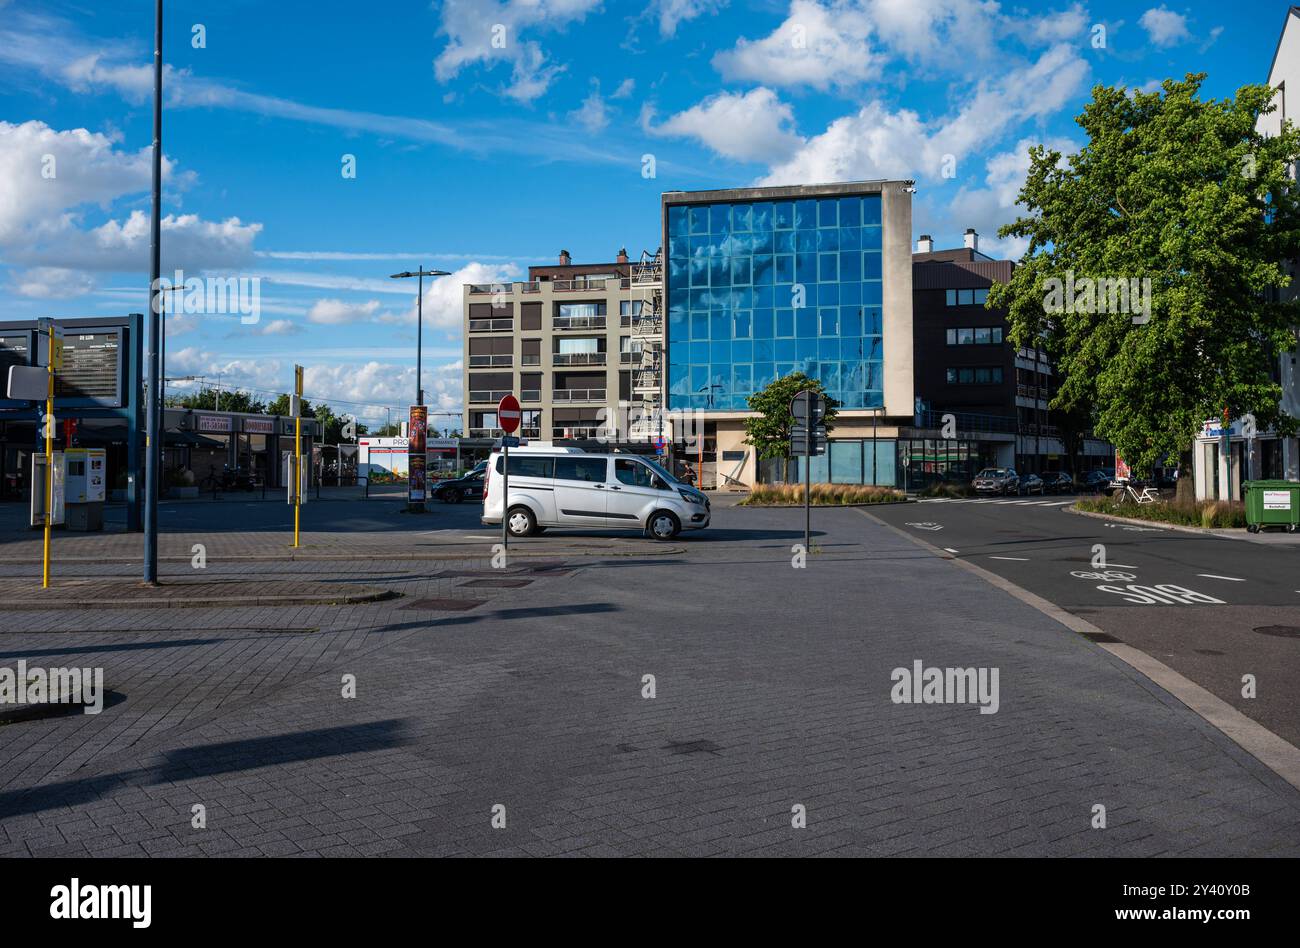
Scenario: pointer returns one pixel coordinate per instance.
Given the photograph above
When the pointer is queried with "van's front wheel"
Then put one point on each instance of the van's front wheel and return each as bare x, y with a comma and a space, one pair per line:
521, 522
662, 525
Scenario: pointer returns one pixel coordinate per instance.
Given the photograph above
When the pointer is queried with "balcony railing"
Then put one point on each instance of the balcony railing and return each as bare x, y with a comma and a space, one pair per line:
583, 434
630, 358
577, 285
484, 361
578, 358
491, 325
498, 432
578, 322
529, 358
578, 395
482, 289
530, 395
488, 395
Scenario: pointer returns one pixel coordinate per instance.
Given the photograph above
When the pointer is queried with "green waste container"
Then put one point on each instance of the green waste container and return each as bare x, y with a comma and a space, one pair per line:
1272, 504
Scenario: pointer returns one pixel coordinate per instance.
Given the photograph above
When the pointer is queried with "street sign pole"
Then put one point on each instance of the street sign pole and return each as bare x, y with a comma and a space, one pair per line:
54, 356
297, 453
807, 474
508, 417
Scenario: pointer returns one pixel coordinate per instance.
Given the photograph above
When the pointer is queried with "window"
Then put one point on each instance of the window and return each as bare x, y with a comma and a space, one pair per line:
591, 470
633, 473
526, 466
630, 307
966, 297
564, 310
976, 336
530, 316
974, 375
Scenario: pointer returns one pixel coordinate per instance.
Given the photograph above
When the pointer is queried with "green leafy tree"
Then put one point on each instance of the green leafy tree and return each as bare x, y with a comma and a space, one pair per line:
1185, 193
230, 401
769, 432
331, 424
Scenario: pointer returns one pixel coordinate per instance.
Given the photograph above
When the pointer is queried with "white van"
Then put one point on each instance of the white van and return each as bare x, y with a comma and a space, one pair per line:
566, 487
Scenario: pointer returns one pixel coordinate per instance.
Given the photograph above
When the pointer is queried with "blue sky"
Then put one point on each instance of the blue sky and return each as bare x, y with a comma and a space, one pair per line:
489, 135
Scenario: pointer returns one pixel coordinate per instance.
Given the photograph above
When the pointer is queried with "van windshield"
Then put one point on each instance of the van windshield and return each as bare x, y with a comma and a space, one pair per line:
658, 470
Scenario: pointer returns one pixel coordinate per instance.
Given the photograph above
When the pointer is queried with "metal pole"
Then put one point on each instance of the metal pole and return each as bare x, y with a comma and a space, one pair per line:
151, 457
807, 472
875, 418
505, 494
419, 341
49, 459
297, 471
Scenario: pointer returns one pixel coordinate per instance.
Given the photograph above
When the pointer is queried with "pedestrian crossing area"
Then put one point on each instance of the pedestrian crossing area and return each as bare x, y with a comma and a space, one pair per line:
1012, 501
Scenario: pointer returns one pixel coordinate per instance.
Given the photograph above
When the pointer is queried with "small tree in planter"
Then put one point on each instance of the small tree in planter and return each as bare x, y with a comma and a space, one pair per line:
769, 432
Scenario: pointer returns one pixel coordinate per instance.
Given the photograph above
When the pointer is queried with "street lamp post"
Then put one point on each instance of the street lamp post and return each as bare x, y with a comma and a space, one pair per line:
152, 408
419, 328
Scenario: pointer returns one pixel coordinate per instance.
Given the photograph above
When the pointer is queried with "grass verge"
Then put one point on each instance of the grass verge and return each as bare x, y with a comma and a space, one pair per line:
823, 495
1200, 513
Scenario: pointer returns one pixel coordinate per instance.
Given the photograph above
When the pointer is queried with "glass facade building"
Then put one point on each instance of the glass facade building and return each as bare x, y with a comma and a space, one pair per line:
759, 289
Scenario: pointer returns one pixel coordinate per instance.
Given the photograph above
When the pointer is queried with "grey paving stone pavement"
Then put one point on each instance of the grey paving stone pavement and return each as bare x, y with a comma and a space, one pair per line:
772, 689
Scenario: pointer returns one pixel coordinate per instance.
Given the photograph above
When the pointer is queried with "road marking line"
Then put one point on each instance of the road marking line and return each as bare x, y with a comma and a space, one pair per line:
1231, 579
1059, 503
1115, 566
1275, 753
949, 549
1018, 559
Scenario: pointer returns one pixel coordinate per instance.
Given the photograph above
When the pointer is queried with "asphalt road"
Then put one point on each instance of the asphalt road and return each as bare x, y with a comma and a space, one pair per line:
1196, 602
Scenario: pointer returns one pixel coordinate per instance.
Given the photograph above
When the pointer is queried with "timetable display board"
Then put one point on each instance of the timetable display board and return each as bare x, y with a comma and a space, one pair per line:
92, 369
15, 349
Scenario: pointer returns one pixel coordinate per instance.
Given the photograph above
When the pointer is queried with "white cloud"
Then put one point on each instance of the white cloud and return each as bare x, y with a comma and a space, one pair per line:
1165, 27
674, 12
337, 312
278, 327
818, 46
625, 89
492, 32
444, 297
989, 207
593, 113
879, 143
754, 126
51, 283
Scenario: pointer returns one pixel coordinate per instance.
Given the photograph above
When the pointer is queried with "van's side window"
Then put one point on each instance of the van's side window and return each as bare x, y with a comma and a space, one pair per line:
525, 466
580, 469
633, 473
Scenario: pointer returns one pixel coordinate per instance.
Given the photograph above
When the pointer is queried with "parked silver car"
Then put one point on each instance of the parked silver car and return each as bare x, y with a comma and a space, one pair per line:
996, 480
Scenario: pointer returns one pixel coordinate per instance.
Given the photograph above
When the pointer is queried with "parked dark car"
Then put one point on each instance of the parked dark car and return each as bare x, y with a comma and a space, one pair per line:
1059, 482
1098, 480
996, 480
1030, 484
467, 487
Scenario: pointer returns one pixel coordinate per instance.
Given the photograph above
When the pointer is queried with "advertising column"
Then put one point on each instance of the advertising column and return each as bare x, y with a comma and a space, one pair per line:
417, 432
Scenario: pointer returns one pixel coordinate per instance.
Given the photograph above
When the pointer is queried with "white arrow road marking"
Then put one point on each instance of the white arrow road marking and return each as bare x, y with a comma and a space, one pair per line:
1231, 579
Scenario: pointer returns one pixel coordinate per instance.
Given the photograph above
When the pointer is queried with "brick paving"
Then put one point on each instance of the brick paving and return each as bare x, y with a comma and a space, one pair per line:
772, 688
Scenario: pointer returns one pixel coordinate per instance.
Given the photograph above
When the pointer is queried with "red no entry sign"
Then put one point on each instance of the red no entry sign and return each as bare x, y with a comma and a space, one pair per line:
508, 414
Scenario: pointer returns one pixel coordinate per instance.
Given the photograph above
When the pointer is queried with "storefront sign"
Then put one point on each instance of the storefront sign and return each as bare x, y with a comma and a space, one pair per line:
260, 425
217, 423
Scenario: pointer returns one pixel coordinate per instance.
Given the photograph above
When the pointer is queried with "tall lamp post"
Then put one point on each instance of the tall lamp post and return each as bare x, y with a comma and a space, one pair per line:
153, 406
419, 330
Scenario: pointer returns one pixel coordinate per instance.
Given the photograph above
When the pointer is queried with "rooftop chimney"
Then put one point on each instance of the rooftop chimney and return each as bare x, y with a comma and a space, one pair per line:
972, 239
622, 255
925, 244
565, 259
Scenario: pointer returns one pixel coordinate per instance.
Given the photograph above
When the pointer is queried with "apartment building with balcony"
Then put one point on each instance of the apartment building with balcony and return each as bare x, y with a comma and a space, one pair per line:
581, 345
967, 366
